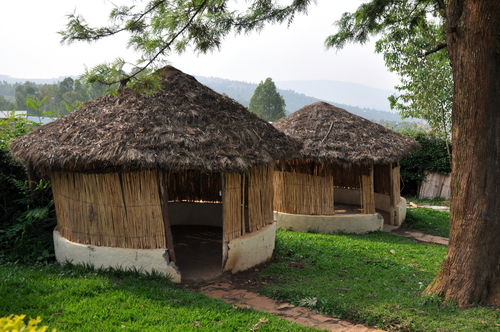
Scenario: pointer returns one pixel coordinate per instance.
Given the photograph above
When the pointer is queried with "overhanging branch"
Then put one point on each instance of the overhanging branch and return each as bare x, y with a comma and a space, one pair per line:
435, 49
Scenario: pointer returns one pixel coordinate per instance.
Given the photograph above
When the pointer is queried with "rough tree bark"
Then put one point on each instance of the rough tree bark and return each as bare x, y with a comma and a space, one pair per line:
470, 272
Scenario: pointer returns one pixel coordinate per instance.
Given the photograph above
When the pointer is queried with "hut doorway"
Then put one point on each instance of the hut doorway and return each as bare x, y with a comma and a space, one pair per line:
196, 226
219, 221
198, 250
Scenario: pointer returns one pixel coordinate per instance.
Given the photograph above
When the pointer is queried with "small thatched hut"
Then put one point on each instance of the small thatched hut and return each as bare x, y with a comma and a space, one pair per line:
346, 160
127, 170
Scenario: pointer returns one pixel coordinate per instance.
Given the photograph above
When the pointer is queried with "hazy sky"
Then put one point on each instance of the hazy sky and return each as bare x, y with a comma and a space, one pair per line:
31, 47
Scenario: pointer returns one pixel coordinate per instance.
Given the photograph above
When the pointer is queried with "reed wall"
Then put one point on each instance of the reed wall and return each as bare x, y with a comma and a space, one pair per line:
396, 185
367, 191
113, 209
247, 201
300, 193
192, 186
260, 197
233, 205
382, 178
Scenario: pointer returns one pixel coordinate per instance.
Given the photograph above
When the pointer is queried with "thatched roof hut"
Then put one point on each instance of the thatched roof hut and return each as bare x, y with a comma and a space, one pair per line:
186, 125
333, 135
116, 162
341, 150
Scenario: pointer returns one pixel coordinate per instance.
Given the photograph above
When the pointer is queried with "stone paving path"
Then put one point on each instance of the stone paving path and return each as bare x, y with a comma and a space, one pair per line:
247, 299
418, 236
300, 315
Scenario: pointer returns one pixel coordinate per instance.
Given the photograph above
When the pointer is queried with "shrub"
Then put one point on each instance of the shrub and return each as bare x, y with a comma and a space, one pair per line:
432, 157
26, 206
16, 323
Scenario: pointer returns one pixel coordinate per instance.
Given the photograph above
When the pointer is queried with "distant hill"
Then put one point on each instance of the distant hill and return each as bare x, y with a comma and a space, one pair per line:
13, 80
242, 92
355, 98
342, 92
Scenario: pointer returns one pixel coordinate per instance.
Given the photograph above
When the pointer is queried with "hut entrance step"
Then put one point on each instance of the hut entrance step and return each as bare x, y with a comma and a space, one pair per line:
198, 250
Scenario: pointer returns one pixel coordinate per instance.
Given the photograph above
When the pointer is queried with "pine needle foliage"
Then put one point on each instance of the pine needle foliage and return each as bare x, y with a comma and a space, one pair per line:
158, 28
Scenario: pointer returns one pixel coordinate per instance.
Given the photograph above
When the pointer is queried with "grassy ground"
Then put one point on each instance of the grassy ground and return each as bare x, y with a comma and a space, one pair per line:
374, 279
78, 299
436, 201
428, 221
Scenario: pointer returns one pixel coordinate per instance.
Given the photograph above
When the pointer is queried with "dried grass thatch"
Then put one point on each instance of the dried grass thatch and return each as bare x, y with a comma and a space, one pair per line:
186, 125
332, 135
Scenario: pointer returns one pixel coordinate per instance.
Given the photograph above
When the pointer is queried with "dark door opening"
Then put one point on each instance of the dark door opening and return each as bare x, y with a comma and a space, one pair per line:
198, 250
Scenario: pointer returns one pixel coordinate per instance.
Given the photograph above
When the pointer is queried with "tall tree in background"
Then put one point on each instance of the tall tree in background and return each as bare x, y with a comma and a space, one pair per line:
426, 89
23, 91
266, 102
6, 105
471, 271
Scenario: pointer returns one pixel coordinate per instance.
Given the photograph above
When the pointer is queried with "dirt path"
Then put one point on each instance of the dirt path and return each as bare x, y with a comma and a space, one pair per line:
241, 290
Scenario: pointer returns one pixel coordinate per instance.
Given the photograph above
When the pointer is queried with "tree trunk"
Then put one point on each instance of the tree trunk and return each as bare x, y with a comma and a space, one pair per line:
470, 272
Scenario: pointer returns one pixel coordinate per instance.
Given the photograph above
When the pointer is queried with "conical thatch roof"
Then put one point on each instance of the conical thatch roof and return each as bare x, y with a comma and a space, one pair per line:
331, 134
186, 125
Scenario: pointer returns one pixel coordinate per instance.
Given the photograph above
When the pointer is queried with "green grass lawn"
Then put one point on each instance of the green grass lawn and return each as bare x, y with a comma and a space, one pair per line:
77, 299
436, 201
374, 279
428, 221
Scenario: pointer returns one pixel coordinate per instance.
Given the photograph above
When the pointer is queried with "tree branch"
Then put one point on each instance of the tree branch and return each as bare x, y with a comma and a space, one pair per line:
123, 82
435, 49
96, 34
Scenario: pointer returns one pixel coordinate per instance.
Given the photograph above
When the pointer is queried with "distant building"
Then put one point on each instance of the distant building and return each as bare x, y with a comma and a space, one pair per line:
8, 114
24, 115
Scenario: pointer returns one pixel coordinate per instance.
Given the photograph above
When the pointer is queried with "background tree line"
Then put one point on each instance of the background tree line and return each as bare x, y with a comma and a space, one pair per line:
60, 98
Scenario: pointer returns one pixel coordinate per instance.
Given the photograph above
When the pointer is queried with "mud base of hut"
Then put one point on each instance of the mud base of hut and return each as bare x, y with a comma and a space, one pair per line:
198, 251
146, 260
347, 219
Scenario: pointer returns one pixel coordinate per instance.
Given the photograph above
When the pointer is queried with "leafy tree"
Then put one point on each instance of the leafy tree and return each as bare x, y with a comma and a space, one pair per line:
6, 105
266, 101
67, 85
7, 90
426, 89
28, 89
470, 272
35, 104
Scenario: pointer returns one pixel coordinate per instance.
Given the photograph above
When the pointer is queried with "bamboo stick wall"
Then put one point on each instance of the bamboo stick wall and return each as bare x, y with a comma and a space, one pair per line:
382, 178
260, 197
247, 201
396, 185
194, 186
113, 209
347, 176
299, 193
233, 205
366, 191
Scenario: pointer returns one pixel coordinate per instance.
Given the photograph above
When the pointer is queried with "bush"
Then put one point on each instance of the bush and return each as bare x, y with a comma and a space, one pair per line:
26, 206
432, 157
16, 323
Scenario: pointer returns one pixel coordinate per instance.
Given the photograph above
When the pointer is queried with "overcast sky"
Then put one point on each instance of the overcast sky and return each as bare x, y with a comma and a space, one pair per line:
31, 47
